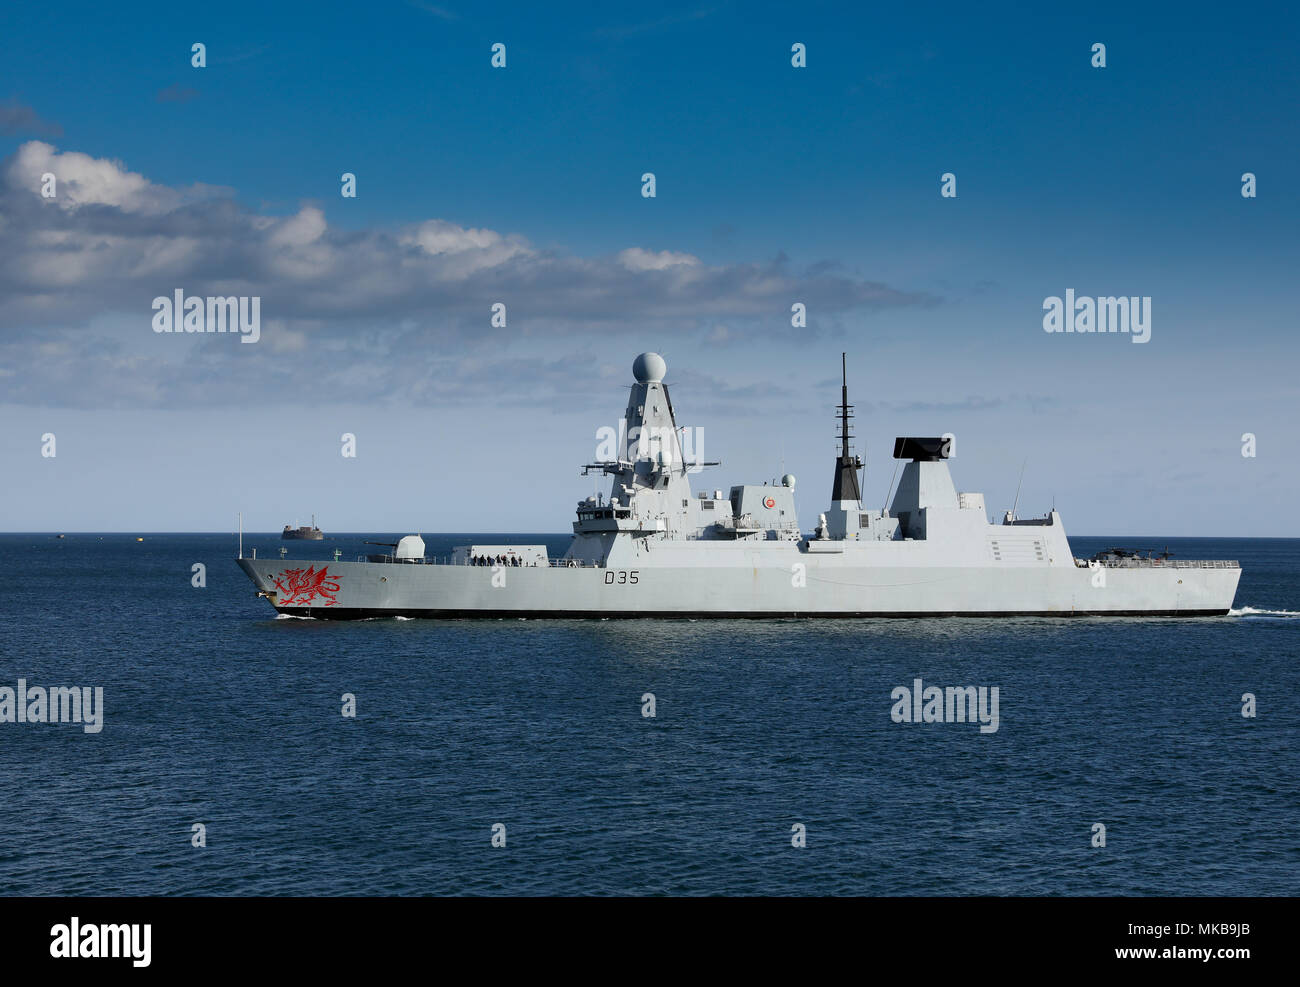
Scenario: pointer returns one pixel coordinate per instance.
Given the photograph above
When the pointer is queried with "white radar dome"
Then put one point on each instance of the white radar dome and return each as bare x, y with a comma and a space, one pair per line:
788, 481
649, 368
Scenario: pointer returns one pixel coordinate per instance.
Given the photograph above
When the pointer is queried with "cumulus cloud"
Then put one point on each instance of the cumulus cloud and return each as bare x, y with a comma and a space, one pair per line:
637, 259
83, 267
81, 180
461, 252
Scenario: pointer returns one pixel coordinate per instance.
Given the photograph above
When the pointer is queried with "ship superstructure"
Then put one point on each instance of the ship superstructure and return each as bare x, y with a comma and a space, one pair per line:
654, 548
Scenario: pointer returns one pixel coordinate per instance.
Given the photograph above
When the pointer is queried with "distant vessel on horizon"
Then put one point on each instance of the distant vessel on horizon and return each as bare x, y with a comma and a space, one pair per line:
303, 532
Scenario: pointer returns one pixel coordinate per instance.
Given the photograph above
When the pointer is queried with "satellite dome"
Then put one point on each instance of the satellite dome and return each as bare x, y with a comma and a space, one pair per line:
788, 481
649, 368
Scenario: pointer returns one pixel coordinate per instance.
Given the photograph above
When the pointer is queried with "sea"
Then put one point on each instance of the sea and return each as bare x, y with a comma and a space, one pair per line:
516, 757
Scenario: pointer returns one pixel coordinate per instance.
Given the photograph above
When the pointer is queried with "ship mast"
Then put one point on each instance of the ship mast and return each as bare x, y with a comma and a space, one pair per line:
846, 468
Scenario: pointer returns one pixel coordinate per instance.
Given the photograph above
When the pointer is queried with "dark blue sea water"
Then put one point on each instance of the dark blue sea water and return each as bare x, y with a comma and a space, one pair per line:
218, 713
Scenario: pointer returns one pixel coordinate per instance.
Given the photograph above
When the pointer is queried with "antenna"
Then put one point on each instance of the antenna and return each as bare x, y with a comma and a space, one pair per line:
1022, 480
884, 510
844, 404
241, 534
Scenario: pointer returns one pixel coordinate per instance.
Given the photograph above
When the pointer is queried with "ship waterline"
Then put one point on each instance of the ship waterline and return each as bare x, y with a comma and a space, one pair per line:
653, 548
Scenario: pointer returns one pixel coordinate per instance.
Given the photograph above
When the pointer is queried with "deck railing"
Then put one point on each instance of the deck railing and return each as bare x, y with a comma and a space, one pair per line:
1158, 564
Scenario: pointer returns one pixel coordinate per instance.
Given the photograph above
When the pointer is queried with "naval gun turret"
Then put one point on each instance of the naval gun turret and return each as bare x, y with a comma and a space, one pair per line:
409, 548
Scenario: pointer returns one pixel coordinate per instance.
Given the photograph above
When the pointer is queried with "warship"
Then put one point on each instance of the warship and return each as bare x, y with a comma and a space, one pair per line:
655, 548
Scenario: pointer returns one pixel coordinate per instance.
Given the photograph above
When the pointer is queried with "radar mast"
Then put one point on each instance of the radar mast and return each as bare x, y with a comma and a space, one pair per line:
846, 468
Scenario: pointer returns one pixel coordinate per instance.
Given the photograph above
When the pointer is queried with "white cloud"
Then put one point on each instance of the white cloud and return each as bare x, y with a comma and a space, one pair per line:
463, 252
296, 231
115, 240
639, 259
82, 180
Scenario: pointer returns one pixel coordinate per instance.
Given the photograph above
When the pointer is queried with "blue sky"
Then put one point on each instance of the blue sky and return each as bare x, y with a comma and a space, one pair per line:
522, 185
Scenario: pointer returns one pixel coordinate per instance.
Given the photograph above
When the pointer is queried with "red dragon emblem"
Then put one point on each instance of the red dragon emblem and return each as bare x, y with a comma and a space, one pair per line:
301, 587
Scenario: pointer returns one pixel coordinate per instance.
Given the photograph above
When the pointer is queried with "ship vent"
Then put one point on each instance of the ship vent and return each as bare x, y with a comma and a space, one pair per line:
1017, 550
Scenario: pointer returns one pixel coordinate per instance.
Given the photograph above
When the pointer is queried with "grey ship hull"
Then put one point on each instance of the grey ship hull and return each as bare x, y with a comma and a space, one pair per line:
358, 590
655, 548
